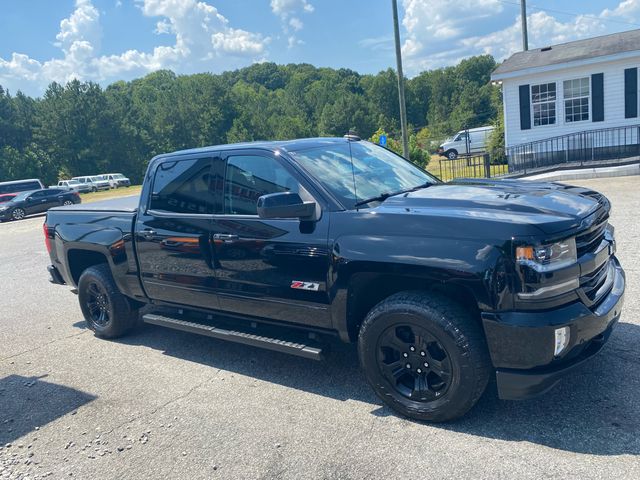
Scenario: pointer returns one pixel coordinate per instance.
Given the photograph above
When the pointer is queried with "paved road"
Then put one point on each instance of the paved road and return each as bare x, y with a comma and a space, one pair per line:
163, 404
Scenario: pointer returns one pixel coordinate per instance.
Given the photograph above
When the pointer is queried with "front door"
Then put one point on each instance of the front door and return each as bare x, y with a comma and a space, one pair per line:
173, 233
275, 269
38, 202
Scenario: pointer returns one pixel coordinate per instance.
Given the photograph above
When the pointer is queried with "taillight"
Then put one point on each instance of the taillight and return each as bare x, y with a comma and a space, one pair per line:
48, 235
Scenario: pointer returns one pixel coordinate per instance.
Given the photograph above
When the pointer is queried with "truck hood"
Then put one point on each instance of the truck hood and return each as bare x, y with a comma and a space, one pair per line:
551, 207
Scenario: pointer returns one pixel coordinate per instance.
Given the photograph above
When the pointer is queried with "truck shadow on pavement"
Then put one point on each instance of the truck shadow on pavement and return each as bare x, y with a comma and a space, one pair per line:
28, 403
594, 411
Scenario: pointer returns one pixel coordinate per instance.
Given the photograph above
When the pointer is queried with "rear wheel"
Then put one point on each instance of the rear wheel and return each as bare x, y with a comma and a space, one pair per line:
106, 310
452, 154
67, 202
18, 214
424, 355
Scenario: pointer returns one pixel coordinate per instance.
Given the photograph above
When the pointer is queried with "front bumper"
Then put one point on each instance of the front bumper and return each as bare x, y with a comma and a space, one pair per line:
521, 343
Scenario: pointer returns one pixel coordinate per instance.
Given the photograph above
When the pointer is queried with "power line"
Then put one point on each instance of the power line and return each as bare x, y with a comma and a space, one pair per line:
560, 12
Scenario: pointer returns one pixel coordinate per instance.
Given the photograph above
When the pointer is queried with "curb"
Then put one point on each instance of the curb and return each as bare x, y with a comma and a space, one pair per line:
587, 173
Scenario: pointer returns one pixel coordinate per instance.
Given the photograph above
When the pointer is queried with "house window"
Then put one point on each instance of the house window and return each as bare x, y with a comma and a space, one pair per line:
576, 99
543, 100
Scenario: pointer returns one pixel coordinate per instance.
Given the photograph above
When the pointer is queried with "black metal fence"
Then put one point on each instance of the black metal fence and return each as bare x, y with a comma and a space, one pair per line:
478, 166
592, 147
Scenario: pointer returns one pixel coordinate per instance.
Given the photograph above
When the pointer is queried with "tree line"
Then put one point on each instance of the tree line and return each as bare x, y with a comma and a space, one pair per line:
81, 128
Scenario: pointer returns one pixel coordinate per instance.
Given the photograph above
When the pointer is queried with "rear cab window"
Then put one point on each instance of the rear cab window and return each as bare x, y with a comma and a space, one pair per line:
183, 187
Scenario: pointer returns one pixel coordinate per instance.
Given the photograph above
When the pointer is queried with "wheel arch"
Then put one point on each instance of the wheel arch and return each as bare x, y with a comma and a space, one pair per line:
367, 288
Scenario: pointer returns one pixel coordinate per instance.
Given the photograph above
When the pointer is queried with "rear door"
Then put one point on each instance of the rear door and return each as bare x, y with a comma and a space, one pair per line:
275, 269
173, 234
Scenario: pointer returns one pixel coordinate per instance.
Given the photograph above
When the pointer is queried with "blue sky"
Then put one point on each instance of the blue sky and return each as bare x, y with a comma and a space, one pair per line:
107, 40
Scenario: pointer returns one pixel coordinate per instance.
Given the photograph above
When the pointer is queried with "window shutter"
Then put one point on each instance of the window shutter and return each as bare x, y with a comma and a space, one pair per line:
630, 93
525, 108
597, 97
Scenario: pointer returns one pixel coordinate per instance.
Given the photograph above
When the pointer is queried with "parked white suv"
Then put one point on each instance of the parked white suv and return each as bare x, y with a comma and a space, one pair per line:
74, 185
95, 182
117, 180
459, 144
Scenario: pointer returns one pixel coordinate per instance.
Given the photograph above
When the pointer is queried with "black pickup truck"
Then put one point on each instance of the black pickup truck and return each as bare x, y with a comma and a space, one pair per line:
283, 244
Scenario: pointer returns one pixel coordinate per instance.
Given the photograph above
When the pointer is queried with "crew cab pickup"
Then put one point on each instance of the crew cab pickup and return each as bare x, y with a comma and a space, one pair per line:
283, 245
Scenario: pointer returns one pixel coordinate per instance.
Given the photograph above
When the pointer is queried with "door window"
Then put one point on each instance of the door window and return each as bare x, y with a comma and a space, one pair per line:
251, 176
182, 187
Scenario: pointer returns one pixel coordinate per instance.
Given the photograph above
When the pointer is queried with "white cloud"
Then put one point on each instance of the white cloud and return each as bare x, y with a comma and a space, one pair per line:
289, 12
204, 40
543, 30
441, 32
628, 10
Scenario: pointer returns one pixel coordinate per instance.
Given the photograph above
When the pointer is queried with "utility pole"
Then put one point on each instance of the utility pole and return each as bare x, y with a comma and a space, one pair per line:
523, 15
403, 108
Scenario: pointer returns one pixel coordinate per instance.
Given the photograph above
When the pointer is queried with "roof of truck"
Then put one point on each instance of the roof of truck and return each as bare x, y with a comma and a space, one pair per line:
286, 145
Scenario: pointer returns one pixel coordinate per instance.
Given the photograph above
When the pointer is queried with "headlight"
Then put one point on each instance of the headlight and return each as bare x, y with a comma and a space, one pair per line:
544, 258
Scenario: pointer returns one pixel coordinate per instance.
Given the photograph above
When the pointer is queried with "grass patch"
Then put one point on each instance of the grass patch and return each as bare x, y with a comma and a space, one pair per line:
107, 194
460, 170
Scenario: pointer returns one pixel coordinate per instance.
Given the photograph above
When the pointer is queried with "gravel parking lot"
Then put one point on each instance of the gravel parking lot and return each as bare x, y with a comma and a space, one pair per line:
166, 404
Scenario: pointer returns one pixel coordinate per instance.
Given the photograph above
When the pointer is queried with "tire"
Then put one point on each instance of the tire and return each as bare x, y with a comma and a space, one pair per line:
452, 154
424, 355
108, 313
94, 189
18, 214
67, 202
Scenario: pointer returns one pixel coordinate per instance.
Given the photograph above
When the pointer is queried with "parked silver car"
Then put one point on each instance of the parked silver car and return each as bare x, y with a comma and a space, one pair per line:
74, 185
96, 182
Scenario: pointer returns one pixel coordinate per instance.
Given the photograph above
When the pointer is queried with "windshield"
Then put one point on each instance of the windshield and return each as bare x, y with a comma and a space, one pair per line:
21, 196
376, 170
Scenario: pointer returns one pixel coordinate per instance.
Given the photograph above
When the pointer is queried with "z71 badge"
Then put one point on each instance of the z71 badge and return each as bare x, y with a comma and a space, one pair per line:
298, 285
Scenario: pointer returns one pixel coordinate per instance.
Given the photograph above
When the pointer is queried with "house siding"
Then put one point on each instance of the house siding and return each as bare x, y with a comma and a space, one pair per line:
614, 101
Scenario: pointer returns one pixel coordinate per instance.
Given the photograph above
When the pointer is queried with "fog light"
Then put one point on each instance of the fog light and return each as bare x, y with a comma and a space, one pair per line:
562, 340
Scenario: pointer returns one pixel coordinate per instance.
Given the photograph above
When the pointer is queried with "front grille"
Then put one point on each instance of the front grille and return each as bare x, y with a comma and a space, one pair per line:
589, 240
592, 283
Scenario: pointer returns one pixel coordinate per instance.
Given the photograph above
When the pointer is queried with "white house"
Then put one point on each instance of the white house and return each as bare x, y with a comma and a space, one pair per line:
573, 87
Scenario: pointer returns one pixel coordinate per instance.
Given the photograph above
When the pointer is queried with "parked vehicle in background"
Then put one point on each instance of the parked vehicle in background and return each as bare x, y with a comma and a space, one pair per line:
281, 244
37, 201
466, 142
17, 186
117, 180
96, 182
74, 185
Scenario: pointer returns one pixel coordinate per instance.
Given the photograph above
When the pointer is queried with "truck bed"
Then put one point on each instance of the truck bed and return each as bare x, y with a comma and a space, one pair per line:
128, 204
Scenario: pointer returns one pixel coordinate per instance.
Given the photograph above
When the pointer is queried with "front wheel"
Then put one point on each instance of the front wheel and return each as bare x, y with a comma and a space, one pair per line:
18, 214
67, 203
424, 355
108, 313
452, 154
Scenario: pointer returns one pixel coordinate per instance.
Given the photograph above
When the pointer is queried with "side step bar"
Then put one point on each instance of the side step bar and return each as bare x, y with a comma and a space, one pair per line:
269, 343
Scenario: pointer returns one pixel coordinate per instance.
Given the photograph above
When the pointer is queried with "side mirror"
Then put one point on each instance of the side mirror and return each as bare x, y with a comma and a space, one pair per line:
285, 205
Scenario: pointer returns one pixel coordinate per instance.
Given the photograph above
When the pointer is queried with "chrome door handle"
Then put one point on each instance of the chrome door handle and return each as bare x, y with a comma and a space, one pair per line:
224, 236
148, 234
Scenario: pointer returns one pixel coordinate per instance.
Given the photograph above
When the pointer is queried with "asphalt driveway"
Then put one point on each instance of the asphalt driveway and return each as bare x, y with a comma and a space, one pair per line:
166, 404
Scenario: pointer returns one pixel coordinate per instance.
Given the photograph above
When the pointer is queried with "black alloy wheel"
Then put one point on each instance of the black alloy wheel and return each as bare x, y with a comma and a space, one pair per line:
98, 305
414, 362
